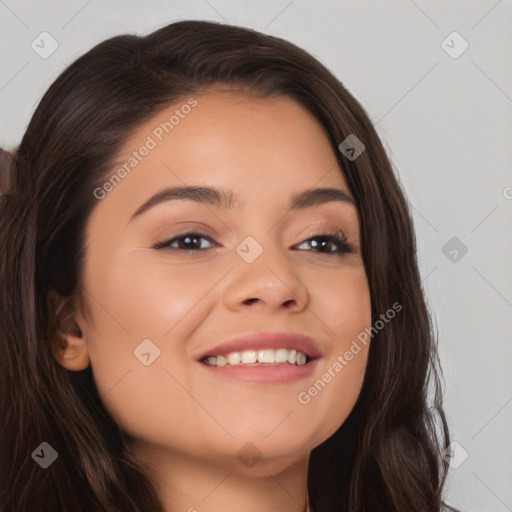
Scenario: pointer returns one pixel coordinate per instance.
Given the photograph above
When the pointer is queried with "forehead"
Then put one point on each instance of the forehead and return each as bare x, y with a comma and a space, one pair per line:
231, 132
227, 115
266, 150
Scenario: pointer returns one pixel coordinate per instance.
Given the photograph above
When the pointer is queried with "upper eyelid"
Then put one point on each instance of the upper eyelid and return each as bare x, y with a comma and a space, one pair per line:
318, 232
326, 225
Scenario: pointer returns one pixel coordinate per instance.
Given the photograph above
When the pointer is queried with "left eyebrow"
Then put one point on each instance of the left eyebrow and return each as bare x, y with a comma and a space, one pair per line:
228, 200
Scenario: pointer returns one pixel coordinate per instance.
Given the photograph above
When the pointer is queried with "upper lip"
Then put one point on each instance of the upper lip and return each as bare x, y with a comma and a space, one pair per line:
266, 340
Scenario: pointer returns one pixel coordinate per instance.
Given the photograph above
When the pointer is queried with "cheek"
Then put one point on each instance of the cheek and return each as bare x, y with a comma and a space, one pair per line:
133, 301
137, 299
346, 310
341, 302
158, 293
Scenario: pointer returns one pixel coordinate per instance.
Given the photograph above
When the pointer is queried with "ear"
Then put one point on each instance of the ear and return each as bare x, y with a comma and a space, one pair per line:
69, 345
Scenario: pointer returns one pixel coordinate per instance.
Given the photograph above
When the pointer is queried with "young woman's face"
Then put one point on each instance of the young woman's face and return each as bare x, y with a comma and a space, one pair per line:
258, 264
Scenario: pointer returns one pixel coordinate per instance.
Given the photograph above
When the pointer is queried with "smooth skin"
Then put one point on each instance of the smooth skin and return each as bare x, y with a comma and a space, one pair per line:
186, 424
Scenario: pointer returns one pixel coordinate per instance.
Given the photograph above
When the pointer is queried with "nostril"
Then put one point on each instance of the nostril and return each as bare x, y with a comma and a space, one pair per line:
249, 301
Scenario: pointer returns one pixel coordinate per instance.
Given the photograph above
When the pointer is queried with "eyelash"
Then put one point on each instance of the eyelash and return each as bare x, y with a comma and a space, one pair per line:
343, 246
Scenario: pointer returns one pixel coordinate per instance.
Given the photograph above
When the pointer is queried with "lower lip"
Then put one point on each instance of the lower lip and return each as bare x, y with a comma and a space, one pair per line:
273, 373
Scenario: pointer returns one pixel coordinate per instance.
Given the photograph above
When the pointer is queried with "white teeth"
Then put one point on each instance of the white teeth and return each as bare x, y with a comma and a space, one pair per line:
301, 358
234, 358
266, 356
263, 356
249, 356
281, 355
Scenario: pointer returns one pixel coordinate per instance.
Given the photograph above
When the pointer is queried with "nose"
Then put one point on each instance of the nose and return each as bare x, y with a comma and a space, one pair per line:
269, 282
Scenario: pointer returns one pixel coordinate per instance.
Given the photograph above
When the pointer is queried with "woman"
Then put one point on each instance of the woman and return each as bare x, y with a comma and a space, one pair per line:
211, 293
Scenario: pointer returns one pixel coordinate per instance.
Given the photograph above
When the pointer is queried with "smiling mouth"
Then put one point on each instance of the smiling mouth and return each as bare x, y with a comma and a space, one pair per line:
262, 357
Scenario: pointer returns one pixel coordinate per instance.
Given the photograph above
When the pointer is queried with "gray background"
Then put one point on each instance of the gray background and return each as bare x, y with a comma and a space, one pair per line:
446, 123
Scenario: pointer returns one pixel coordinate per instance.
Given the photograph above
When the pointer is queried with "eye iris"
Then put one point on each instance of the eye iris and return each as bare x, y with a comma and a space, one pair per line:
322, 244
187, 239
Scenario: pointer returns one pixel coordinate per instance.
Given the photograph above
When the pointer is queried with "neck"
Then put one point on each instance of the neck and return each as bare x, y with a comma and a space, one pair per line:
205, 485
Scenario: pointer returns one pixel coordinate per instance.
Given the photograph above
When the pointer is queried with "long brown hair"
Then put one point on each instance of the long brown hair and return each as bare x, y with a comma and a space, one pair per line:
387, 456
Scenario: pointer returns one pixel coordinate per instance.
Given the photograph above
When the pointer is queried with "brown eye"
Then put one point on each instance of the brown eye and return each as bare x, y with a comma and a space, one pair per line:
189, 242
329, 244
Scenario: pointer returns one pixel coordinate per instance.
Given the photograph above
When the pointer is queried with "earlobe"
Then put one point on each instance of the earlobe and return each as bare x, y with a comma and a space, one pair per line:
74, 360
68, 342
